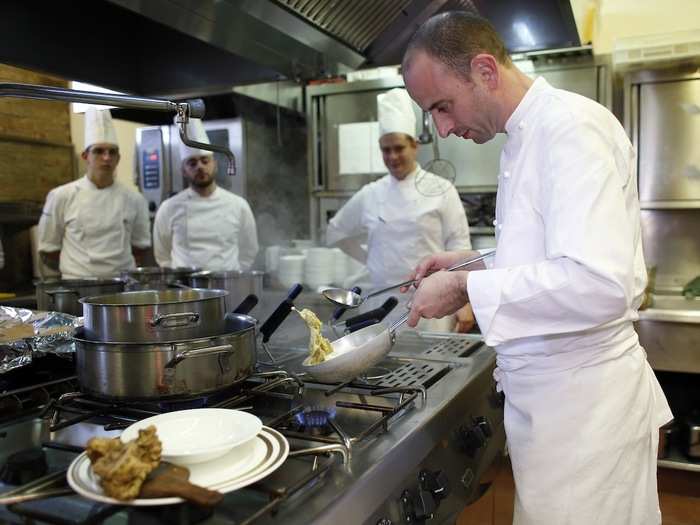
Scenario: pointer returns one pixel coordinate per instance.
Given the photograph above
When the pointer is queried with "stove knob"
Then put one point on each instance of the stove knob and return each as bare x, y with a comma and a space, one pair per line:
436, 483
420, 508
471, 438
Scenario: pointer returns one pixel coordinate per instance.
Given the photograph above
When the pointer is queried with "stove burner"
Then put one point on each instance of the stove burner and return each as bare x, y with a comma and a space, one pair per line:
315, 417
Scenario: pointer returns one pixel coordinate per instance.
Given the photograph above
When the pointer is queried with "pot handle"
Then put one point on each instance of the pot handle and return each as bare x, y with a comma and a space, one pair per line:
198, 352
280, 313
163, 319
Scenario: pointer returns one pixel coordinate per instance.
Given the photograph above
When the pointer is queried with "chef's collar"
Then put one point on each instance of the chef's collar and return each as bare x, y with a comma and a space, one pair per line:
213, 194
408, 178
518, 120
89, 185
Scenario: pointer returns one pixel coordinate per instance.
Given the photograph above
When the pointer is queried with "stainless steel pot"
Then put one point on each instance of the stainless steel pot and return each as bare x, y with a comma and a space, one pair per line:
141, 371
63, 295
238, 284
150, 316
155, 277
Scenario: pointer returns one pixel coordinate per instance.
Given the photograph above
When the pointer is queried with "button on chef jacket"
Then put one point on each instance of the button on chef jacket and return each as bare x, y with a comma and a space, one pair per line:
216, 233
94, 228
402, 225
583, 407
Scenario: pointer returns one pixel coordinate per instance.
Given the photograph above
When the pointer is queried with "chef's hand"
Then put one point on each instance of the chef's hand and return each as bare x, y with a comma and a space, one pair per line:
465, 319
438, 261
438, 295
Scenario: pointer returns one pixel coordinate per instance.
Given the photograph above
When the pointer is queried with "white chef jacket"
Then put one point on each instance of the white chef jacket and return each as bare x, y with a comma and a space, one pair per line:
583, 406
216, 233
94, 228
402, 227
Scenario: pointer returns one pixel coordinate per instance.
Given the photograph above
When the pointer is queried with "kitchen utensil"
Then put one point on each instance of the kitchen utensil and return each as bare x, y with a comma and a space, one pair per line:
443, 168
198, 435
172, 480
154, 315
63, 295
372, 316
355, 353
350, 299
237, 284
239, 468
185, 368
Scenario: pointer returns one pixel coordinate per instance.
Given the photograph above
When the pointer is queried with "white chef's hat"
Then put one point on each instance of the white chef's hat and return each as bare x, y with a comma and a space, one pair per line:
395, 112
99, 127
195, 131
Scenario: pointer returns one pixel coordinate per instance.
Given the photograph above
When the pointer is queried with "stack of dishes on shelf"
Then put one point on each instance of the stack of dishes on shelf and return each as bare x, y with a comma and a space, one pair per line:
290, 269
224, 450
319, 267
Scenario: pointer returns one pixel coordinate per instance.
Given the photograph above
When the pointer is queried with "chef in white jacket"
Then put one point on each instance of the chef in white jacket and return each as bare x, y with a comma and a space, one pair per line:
400, 224
94, 226
582, 405
204, 225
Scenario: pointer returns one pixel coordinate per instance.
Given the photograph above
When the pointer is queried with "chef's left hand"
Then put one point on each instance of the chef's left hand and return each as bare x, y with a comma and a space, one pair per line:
441, 294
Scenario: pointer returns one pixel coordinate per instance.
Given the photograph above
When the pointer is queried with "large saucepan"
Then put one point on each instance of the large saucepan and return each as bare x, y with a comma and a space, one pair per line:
237, 284
187, 368
150, 316
62, 295
178, 369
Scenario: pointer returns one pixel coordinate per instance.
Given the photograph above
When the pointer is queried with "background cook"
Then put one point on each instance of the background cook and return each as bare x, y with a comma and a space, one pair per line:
400, 224
204, 225
95, 226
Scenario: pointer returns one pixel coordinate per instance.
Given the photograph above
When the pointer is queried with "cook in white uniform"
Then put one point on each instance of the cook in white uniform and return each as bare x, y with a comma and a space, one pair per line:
582, 405
204, 226
401, 225
94, 226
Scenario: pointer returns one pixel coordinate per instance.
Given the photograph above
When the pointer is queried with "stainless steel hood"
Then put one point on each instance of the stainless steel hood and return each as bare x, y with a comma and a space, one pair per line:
179, 48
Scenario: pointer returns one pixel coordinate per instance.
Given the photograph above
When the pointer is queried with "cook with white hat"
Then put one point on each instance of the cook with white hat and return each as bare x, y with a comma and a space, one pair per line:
94, 226
204, 225
401, 225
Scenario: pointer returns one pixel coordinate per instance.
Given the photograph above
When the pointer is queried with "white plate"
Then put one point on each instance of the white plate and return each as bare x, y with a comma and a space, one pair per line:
200, 434
237, 469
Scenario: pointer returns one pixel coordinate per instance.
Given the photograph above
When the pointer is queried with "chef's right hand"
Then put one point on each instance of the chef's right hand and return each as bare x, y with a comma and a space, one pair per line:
438, 261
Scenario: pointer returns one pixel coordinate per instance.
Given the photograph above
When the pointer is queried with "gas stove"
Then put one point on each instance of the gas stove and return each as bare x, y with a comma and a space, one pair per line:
406, 443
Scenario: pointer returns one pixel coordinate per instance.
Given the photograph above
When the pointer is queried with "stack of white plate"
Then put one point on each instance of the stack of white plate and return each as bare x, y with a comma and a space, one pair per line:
272, 259
341, 266
290, 269
319, 268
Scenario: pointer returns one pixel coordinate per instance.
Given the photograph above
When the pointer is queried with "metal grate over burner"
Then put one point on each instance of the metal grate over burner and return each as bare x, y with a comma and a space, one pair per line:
415, 374
451, 348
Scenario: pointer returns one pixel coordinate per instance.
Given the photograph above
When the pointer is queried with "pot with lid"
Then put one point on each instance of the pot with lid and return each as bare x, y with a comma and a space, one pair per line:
148, 316
63, 295
238, 284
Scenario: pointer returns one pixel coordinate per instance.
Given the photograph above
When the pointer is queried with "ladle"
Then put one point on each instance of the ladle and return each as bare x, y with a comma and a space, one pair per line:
350, 299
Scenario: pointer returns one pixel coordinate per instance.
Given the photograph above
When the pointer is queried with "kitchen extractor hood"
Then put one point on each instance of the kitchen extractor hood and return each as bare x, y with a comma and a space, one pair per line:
178, 48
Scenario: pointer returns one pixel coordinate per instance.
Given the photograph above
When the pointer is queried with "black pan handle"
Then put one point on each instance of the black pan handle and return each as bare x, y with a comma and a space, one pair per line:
280, 314
247, 304
337, 314
377, 314
360, 325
